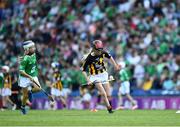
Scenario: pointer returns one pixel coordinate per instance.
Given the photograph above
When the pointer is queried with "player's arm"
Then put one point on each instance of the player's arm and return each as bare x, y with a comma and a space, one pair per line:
117, 67
108, 55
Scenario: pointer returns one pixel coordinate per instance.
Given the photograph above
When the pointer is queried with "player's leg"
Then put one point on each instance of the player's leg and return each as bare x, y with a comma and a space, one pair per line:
120, 100
130, 98
126, 86
4, 101
32, 89
54, 95
52, 104
11, 102
1, 107
65, 93
107, 88
8, 94
24, 100
63, 101
103, 93
106, 85
24, 83
61, 95
62, 98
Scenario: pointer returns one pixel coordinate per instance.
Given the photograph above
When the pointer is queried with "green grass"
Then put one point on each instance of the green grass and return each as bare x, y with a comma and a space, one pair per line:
87, 118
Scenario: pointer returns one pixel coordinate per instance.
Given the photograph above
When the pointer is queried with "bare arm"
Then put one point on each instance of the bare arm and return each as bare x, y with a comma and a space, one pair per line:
117, 67
26, 75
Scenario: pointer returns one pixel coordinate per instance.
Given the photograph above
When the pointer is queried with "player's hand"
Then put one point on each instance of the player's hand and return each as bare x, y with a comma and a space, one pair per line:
31, 79
117, 67
89, 82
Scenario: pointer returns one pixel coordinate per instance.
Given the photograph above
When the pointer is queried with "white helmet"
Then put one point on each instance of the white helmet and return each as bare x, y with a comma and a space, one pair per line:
5, 68
28, 44
54, 64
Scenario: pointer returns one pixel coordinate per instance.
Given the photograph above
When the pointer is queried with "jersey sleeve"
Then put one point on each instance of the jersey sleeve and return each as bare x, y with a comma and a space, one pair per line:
107, 54
23, 64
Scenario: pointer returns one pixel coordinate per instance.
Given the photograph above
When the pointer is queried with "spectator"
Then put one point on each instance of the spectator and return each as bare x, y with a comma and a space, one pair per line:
145, 33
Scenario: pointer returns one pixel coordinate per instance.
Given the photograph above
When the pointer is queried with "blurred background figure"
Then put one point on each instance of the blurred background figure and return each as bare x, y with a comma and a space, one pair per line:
86, 98
56, 86
6, 90
1, 86
124, 89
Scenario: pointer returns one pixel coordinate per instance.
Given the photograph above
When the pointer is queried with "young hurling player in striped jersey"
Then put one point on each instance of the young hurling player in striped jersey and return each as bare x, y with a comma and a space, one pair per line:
97, 70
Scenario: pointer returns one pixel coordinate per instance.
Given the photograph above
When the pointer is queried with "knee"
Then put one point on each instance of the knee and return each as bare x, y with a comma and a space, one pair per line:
103, 94
109, 97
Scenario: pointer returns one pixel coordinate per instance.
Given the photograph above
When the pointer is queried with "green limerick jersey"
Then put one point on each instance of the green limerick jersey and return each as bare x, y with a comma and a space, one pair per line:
29, 65
124, 76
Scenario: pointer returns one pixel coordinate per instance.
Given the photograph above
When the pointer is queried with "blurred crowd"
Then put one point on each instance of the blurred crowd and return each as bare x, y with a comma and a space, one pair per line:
143, 33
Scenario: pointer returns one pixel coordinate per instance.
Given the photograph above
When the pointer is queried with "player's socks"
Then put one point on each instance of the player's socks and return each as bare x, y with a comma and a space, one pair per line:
30, 95
14, 106
4, 107
99, 99
23, 110
110, 102
64, 105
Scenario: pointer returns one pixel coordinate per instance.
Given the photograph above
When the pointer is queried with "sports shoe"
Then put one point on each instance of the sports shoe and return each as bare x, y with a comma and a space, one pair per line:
94, 110
23, 110
14, 107
110, 109
178, 111
2, 109
30, 95
134, 107
120, 108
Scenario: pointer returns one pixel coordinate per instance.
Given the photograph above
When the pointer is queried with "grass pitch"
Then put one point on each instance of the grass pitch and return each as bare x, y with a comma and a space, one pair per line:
87, 118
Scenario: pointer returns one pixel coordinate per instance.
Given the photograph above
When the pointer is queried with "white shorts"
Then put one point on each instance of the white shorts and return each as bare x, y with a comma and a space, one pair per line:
55, 92
125, 88
26, 82
6, 92
65, 92
102, 77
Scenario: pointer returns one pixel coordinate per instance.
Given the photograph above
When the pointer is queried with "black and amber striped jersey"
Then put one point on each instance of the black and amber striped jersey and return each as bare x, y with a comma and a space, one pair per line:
57, 80
7, 81
95, 63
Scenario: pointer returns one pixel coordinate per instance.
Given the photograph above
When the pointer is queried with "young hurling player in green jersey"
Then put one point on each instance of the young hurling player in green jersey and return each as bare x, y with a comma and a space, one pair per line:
28, 73
125, 87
